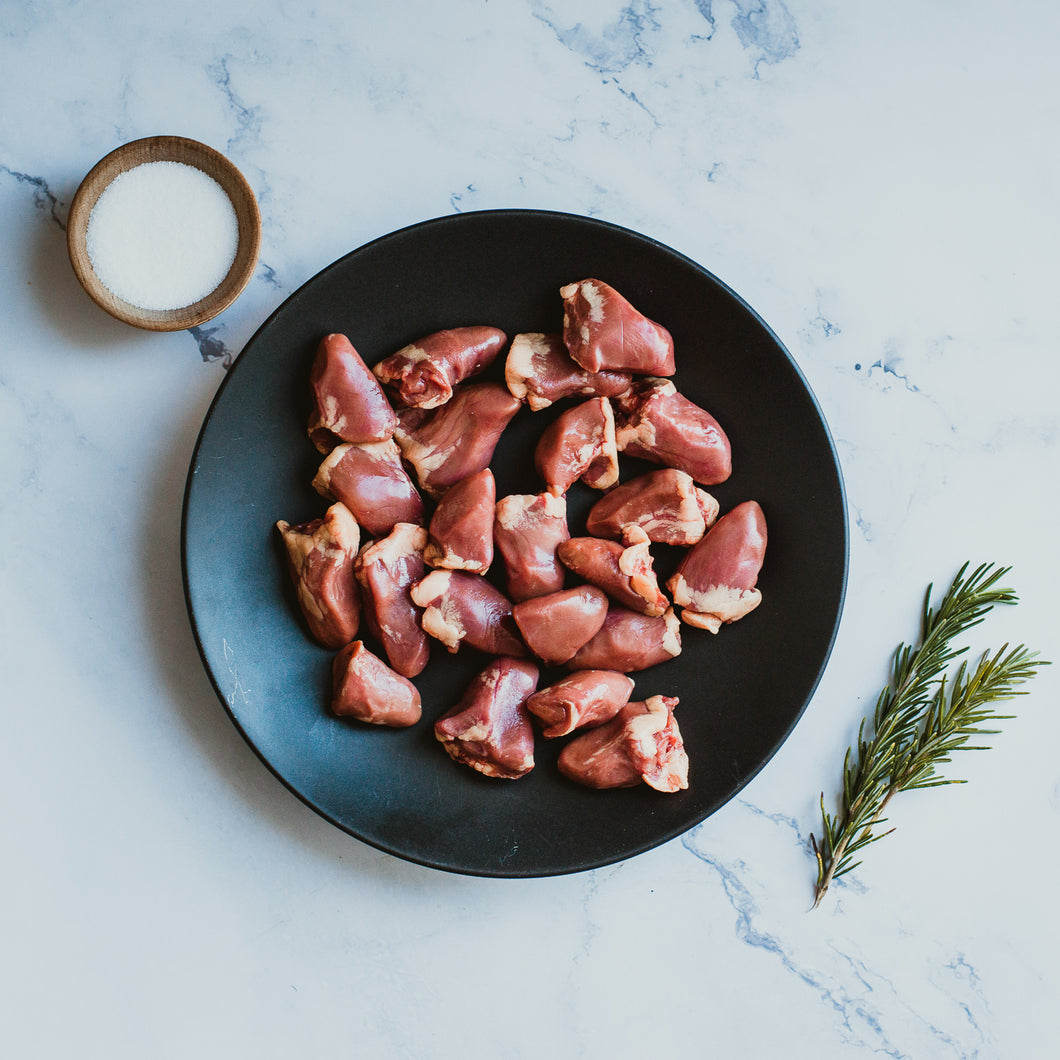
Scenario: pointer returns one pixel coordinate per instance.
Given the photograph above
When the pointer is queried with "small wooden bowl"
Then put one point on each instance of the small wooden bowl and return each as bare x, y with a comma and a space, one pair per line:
166, 149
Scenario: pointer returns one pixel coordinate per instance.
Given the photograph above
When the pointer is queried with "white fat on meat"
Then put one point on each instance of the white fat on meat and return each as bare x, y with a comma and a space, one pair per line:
322, 479
385, 453
554, 507
446, 557
666, 504
591, 294
713, 607
337, 539
643, 731
639, 433
337, 536
320, 556
477, 733
671, 640
512, 510
602, 472
334, 419
637, 551
695, 512
426, 459
441, 617
593, 298
635, 562
403, 539
524, 356
413, 354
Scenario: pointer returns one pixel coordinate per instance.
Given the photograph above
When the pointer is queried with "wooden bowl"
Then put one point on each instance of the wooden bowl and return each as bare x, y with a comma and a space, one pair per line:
166, 149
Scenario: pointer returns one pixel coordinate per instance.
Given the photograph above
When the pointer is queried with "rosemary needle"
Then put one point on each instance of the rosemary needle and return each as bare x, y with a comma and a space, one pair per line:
923, 715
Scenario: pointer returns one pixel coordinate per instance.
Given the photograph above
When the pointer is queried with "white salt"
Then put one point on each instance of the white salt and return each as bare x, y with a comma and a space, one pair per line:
162, 235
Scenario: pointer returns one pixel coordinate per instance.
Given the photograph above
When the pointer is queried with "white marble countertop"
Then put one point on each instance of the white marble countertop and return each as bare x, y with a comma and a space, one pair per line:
878, 182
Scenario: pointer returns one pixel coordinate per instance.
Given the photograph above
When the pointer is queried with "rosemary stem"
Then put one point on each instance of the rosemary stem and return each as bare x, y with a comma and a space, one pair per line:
922, 717
833, 858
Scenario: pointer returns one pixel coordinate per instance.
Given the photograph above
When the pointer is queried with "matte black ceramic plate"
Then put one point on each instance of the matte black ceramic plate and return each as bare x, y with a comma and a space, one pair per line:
741, 691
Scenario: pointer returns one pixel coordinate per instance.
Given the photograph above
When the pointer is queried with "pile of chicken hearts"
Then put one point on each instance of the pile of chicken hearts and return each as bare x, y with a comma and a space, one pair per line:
411, 571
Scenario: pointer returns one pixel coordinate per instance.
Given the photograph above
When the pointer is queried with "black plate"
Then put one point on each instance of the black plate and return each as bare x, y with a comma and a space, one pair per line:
741, 692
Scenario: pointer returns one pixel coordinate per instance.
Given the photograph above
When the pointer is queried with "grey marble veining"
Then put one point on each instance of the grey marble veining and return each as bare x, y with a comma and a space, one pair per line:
878, 183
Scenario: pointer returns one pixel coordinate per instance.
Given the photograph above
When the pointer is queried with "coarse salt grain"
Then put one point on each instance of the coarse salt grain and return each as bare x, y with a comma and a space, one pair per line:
162, 235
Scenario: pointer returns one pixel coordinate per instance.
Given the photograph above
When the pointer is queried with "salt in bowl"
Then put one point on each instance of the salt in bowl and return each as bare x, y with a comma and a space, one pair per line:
177, 149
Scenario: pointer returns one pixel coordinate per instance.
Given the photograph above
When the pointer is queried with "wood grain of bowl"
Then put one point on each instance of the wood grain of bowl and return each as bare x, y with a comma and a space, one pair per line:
166, 149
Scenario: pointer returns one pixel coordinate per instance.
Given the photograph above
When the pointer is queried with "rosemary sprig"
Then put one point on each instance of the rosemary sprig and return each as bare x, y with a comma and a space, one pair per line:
921, 717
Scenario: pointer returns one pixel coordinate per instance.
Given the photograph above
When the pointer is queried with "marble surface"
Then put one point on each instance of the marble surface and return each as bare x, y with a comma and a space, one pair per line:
879, 182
